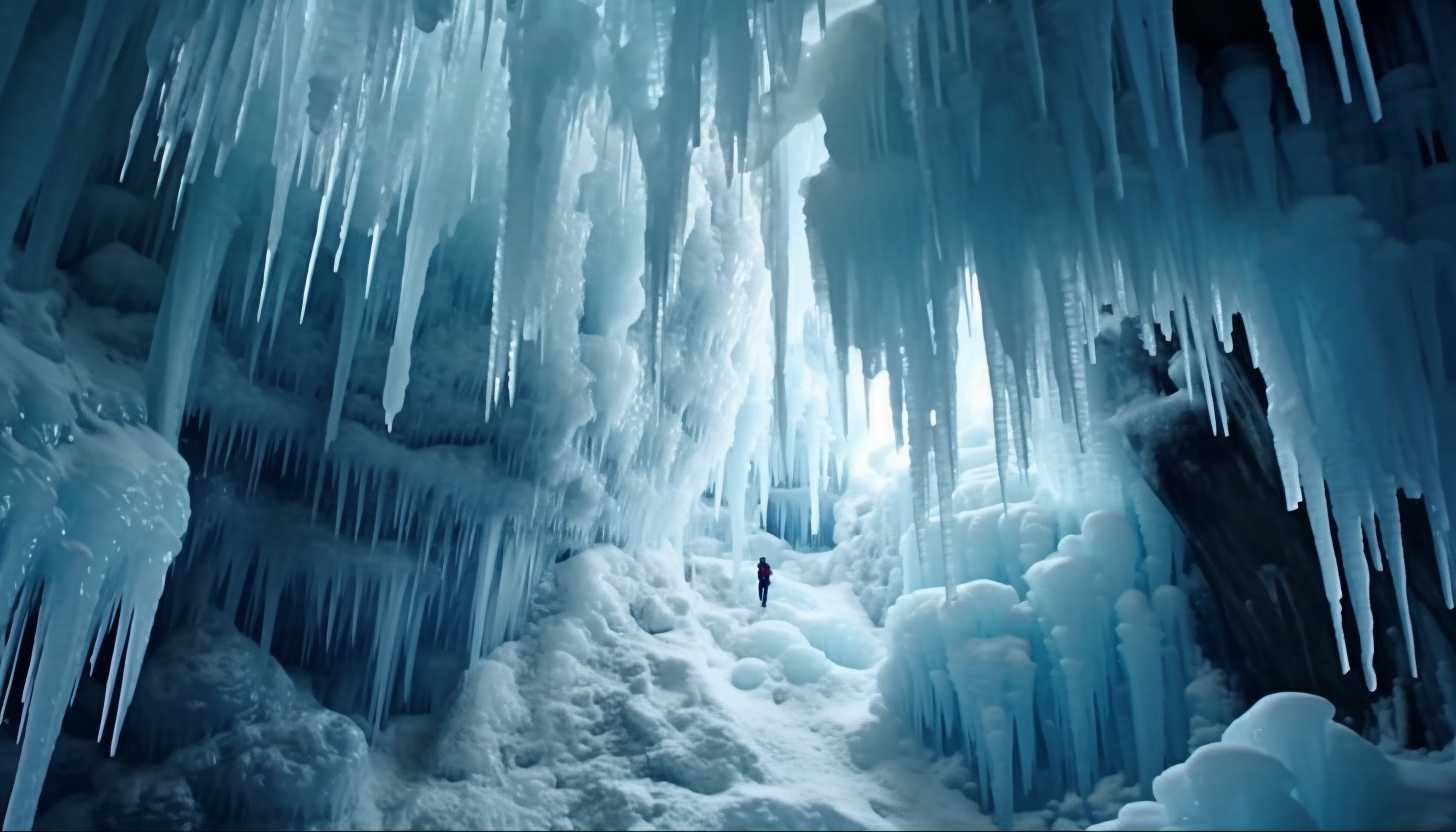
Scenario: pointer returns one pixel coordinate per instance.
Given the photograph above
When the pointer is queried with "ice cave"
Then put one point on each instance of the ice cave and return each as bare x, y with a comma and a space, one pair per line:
397, 396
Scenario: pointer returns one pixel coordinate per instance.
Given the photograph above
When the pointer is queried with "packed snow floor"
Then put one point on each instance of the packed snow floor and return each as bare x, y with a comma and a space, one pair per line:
654, 692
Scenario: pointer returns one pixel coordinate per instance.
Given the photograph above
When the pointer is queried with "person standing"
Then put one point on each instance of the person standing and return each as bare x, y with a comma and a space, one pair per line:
763, 575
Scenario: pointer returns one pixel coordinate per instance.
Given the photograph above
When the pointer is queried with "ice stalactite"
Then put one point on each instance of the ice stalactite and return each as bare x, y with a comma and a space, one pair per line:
350, 323
546, 100
30, 118
441, 195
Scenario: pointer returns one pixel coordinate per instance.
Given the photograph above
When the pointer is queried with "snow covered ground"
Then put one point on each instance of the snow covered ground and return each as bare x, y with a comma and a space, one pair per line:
638, 699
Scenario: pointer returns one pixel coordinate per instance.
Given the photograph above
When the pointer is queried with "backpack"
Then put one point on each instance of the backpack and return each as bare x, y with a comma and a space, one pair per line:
764, 572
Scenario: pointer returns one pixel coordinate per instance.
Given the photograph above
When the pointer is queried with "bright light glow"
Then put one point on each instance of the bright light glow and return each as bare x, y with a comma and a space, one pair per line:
973, 378
871, 421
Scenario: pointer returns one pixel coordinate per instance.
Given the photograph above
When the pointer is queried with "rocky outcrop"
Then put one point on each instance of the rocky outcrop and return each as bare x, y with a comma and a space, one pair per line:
1263, 617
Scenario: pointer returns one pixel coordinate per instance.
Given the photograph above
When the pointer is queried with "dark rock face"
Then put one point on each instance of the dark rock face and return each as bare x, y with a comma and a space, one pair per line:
431, 13
1264, 618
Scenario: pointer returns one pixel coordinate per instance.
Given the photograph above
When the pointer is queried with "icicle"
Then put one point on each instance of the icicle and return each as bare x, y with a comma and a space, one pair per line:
30, 120
353, 319
1281, 25
374, 234
17, 15
81, 52
1351, 11
1337, 46
1138, 50
1031, 42
49, 682
1390, 538
1167, 47
196, 266
318, 234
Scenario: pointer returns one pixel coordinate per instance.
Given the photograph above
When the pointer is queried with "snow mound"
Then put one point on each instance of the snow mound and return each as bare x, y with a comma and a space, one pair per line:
1285, 764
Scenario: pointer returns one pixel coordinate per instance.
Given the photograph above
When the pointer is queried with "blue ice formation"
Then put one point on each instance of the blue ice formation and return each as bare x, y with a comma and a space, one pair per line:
1066, 656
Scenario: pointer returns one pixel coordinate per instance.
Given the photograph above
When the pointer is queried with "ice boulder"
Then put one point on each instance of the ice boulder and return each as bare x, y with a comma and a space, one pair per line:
202, 679
804, 664
1229, 786
767, 640
148, 799
1344, 781
71, 813
1138, 816
117, 276
305, 767
656, 616
749, 673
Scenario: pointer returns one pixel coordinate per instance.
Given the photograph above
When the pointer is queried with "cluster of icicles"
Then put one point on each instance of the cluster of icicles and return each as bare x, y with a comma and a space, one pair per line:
1067, 154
